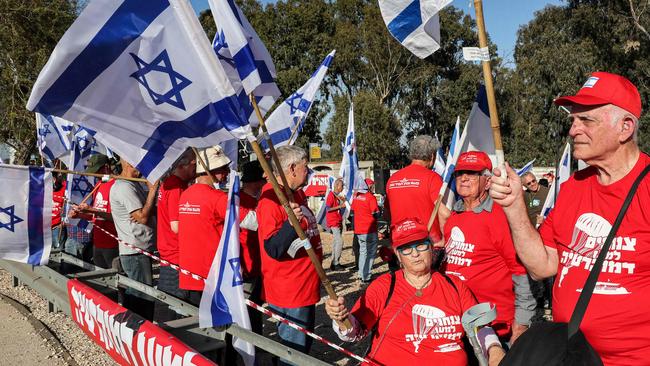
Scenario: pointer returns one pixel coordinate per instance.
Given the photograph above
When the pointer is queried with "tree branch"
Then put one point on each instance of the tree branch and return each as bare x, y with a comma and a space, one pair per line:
635, 18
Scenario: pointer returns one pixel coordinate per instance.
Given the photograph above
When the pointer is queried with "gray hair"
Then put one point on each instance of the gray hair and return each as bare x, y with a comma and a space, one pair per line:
528, 174
617, 113
288, 155
423, 147
186, 158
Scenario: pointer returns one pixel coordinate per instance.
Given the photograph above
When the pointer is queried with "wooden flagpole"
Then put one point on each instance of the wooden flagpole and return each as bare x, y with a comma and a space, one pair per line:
285, 203
205, 166
489, 85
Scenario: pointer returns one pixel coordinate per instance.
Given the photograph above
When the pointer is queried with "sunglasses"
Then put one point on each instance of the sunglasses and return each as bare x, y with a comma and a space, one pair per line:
419, 247
530, 182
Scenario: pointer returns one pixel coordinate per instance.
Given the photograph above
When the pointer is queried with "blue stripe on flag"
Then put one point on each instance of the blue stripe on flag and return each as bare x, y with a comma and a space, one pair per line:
244, 62
219, 306
35, 215
406, 22
125, 25
211, 118
48, 153
481, 99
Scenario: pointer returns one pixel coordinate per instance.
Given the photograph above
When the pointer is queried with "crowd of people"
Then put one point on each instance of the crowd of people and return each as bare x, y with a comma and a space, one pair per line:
492, 245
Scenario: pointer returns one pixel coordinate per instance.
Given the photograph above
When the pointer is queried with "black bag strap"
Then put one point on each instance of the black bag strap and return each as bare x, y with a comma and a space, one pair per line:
590, 284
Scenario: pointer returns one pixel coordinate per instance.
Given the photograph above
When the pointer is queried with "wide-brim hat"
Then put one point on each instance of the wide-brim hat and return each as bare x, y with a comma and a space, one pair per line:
213, 157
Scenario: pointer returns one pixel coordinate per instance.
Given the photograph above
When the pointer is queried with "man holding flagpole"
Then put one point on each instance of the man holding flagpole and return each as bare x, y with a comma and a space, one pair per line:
290, 283
604, 117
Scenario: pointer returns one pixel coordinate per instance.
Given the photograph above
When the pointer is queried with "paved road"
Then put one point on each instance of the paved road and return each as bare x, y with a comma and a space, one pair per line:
21, 343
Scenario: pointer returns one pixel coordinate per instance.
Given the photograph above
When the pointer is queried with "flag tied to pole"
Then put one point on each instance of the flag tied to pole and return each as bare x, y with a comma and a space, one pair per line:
414, 23
563, 174
143, 75
244, 58
26, 214
286, 121
350, 172
223, 302
479, 130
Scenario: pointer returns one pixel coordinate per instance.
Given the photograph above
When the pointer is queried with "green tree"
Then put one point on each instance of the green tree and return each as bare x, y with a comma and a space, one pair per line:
28, 33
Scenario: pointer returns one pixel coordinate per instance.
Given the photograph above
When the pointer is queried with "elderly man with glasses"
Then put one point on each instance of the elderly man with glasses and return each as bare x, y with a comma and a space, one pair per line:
480, 251
535, 195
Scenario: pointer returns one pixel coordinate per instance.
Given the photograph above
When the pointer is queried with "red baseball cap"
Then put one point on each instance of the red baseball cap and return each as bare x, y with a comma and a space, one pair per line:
475, 161
408, 231
605, 88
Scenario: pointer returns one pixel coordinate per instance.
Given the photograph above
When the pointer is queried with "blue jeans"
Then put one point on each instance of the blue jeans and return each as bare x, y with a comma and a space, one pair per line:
56, 243
367, 252
138, 267
305, 317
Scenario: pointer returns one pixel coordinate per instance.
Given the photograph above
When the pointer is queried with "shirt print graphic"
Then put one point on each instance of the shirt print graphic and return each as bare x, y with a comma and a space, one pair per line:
431, 322
458, 251
404, 183
189, 209
589, 235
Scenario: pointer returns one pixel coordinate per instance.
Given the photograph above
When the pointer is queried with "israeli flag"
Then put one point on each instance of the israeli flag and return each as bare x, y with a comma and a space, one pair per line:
526, 168
322, 211
414, 23
286, 121
454, 150
53, 136
349, 172
244, 58
223, 302
26, 214
439, 164
563, 174
479, 130
143, 75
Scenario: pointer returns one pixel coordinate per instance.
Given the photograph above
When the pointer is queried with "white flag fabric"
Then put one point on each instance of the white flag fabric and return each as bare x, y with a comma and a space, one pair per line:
223, 302
322, 211
349, 172
563, 174
25, 214
526, 168
455, 149
53, 136
479, 130
143, 75
286, 121
244, 58
439, 165
414, 23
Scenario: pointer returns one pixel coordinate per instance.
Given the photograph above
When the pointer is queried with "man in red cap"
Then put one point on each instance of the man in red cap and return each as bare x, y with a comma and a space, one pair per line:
604, 117
366, 212
480, 251
415, 313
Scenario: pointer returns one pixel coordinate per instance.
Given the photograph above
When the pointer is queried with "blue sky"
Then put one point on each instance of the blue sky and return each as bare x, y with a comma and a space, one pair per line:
502, 18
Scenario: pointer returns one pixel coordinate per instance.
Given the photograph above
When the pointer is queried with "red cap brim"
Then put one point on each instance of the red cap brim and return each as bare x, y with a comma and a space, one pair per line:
580, 100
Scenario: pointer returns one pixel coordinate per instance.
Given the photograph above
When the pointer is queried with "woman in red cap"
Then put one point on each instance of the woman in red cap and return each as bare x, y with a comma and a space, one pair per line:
415, 314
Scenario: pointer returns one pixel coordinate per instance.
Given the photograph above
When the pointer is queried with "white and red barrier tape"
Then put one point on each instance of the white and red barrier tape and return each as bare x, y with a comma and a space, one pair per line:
248, 302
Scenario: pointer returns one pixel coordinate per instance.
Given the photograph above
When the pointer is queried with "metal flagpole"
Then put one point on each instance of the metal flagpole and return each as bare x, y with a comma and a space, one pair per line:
285, 203
489, 86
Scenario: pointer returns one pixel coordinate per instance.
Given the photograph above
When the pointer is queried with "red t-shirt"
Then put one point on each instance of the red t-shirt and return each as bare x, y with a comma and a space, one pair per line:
617, 322
57, 205
287, 282
169, 194
201, 214
333, 218
364, 206
250, 247
102, 202
416, 330
481, 253
412, 193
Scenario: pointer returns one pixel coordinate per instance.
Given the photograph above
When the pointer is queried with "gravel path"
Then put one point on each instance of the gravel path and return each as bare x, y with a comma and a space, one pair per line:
82, 349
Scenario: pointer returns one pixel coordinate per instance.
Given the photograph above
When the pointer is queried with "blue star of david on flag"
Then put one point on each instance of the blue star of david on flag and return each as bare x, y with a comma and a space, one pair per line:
221, 48
13, 219
82, 185
45, 130
235, 264
161, 64
294, 102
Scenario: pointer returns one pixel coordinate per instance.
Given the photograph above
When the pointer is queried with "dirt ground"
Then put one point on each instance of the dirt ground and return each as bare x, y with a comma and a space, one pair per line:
345, 284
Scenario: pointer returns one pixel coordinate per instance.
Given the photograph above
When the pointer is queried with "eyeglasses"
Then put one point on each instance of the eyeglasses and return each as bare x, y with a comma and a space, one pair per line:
420, 247
530, 182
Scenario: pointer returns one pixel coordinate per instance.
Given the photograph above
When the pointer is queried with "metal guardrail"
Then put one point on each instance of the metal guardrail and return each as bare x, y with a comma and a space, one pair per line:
52, 286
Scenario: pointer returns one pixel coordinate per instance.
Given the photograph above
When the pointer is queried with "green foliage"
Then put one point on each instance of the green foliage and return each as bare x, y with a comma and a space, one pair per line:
29, 30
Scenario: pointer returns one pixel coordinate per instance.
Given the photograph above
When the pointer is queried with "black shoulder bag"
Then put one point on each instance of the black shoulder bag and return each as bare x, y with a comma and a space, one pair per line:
563, 344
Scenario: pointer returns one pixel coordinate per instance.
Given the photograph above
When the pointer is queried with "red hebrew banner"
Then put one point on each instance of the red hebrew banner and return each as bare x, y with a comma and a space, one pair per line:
126, 336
